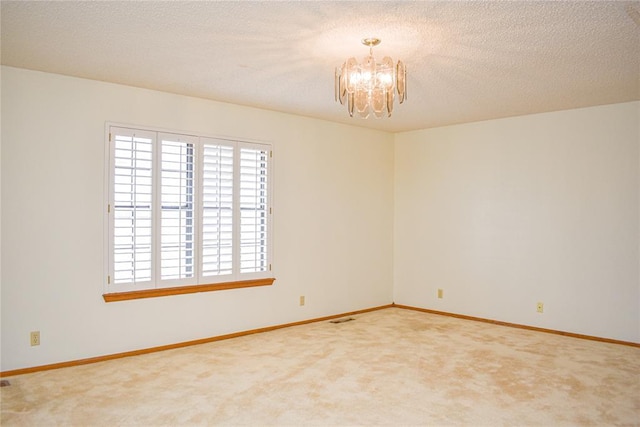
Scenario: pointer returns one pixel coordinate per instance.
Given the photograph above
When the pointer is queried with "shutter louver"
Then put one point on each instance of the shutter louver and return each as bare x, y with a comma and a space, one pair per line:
132, 207
217, 210
177, 196
253, 210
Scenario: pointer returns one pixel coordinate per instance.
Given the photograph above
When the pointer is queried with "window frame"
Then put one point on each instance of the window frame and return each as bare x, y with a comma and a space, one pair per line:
157, 286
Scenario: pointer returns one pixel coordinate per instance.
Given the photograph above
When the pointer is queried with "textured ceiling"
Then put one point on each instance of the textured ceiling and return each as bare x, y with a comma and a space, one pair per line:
467, 61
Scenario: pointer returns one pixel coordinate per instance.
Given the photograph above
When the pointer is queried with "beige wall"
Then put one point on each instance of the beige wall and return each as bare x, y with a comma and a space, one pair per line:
333, 226
506, 213
500, 214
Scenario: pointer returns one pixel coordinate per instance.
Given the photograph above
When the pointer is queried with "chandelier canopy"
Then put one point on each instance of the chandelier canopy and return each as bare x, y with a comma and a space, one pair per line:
370, 86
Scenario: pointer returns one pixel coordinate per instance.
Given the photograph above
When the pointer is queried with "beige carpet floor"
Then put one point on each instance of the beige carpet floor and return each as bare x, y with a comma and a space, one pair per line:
387, 367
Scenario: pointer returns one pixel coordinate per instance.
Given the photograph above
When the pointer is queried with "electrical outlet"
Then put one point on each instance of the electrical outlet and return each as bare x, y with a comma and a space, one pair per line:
301, 299
35, 338
439, 293
540, 307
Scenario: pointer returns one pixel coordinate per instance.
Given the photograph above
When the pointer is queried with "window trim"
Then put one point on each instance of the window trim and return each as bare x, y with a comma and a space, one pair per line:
233, 281
181, 290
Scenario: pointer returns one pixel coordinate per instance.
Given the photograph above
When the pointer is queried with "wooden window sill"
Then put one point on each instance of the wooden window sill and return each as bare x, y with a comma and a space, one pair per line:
162, 292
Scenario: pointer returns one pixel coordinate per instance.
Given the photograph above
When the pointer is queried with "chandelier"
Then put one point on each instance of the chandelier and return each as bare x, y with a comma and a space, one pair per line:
370, 86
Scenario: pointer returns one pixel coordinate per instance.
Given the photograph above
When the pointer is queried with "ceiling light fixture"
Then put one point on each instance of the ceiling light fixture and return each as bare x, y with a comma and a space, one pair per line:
370, 86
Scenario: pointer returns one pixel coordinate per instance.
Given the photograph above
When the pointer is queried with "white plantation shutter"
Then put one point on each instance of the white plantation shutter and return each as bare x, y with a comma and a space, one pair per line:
217, 208
253, 209
186, 210
177, 197
131, 204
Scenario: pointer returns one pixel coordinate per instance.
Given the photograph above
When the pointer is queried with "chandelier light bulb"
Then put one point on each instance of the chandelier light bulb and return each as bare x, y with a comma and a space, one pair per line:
370, 86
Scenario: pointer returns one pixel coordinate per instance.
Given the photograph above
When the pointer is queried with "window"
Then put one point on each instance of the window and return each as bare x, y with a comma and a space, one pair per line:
186, 211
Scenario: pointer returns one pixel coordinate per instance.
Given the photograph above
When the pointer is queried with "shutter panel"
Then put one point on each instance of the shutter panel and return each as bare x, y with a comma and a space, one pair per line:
186, 210
217, 208
253, 209
132, 194
177, 197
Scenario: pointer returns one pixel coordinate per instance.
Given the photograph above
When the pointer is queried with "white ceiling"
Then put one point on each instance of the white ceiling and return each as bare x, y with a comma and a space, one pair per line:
467, 61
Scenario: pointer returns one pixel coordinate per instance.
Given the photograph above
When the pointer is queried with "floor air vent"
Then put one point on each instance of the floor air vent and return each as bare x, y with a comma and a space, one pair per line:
4, 383
346, 319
